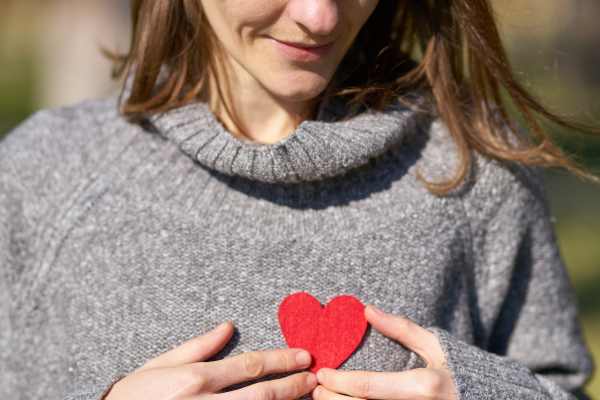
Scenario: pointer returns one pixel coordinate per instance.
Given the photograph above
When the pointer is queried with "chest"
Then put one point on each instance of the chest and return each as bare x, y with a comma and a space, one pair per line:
137, 280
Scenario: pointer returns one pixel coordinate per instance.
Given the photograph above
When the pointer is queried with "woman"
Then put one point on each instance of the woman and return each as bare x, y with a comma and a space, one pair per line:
260, 149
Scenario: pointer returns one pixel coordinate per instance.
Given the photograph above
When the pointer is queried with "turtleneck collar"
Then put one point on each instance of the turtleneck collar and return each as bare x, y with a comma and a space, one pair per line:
318, 148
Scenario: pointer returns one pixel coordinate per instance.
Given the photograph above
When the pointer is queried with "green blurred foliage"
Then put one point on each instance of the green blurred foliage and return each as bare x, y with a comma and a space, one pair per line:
17, 88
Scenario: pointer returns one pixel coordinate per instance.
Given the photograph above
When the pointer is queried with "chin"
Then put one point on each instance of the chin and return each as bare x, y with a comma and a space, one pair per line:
298, 86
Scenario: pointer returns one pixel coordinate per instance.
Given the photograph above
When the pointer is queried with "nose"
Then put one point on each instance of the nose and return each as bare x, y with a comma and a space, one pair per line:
320, 17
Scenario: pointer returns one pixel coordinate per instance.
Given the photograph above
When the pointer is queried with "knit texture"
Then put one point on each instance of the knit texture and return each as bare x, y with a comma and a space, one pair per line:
119, 242
317, 149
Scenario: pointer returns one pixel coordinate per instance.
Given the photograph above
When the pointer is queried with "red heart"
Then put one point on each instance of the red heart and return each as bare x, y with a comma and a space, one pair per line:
330, 334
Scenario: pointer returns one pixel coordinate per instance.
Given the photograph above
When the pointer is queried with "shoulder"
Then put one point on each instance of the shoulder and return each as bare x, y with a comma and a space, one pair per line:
491, 184
55, 151
61, 126
63, 140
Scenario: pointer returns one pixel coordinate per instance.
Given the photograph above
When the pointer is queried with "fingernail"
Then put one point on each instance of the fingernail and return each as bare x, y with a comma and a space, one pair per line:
311, 379
376, 310
302, 357
317, 391
221, 327
321, 374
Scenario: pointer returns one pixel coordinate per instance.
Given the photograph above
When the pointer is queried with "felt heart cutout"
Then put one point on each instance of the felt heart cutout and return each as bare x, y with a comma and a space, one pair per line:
329, 333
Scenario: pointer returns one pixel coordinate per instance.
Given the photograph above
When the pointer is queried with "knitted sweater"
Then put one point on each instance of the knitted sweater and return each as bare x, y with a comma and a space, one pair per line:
120, 241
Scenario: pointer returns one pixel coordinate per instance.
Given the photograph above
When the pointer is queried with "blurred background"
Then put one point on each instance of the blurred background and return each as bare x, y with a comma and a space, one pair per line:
49, 57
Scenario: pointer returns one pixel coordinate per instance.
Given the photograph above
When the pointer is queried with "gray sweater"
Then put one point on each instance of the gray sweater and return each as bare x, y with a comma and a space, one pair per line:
119, 241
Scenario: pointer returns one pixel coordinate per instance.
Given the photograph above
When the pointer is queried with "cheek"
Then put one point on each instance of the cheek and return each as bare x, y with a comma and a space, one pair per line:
242, 27
248, 19
359, 13
352, 19
229, 18
236, 23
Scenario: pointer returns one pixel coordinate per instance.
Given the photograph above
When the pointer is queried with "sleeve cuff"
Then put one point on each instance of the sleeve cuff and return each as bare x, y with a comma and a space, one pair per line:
95, 392
479, 374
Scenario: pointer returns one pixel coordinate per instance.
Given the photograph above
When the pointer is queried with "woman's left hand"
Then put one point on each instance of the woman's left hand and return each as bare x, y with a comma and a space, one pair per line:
432, 382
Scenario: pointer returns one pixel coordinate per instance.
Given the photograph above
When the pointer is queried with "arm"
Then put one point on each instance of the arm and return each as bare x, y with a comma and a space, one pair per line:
535, 348
94, 392
14, 249
23, 363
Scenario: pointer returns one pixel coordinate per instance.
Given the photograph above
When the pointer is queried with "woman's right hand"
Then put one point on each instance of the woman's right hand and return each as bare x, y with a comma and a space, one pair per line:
182, 373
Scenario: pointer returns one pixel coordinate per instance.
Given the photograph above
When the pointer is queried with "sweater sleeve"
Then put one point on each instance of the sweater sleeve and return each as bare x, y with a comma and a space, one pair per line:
93, 392
22, 211
534, 346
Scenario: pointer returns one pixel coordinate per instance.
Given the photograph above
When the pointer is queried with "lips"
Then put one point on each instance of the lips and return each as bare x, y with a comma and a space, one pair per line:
304, 46
302, 52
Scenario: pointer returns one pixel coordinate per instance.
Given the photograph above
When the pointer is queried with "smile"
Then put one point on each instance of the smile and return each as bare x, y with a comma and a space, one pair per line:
299, 52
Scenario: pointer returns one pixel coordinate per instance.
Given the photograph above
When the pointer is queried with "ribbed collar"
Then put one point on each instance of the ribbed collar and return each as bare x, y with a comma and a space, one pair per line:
318, 148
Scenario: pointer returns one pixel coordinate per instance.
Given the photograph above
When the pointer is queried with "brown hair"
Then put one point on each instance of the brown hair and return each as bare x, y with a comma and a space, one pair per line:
449, 49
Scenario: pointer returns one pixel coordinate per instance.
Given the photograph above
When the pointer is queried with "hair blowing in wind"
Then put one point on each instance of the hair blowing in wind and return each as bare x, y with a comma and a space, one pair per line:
434, 47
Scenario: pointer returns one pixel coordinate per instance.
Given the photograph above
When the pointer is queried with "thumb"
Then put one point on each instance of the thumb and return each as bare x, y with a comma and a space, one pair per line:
196, 349
408, 333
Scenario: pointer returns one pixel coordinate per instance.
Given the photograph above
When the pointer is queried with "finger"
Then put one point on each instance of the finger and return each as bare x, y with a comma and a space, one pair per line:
376, 385
196, 349
288, 388
408, 333
322, 393
251, 365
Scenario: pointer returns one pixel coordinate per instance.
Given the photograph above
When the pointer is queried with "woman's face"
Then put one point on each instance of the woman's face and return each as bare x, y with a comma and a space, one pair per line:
252, 32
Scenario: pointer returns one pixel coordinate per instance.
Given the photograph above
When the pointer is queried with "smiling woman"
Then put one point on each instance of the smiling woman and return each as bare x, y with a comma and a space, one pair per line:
344, 149
211, 48
282, 56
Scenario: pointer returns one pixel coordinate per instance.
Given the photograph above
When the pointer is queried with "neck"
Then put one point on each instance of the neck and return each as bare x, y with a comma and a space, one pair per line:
253, 113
